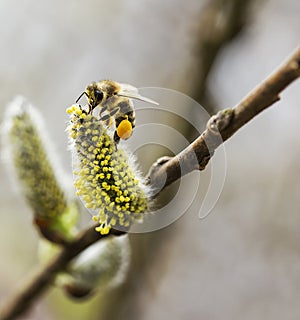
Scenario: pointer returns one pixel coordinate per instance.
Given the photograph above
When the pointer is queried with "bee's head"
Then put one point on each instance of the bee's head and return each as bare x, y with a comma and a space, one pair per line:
94, 95
99, 92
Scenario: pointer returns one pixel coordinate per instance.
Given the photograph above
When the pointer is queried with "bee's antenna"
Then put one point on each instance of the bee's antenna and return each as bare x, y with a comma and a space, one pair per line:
83, 93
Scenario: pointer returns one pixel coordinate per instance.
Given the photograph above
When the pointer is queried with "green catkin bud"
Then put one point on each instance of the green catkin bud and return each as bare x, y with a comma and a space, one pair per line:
27, 150
106, 178
103, 266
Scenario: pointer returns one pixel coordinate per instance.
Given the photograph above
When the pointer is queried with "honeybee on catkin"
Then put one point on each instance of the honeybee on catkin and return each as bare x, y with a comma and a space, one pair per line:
115, 104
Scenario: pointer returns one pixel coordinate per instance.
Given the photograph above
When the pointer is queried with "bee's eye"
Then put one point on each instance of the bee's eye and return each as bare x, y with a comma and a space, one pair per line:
98, 96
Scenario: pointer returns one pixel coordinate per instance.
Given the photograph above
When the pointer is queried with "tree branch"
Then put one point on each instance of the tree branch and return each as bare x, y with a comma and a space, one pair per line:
220, 127
223, 125
44, 277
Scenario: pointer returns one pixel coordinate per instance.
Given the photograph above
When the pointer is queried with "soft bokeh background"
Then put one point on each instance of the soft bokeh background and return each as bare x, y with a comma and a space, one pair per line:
243, 260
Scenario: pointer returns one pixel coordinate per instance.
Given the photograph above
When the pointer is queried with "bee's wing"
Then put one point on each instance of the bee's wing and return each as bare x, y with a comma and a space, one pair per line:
128, 91
128, 88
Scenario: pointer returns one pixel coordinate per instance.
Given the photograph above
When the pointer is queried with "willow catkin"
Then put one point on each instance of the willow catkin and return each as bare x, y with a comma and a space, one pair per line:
106, 179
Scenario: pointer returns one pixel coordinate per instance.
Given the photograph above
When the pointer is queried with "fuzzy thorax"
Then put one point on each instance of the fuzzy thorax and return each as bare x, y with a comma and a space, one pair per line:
105, 179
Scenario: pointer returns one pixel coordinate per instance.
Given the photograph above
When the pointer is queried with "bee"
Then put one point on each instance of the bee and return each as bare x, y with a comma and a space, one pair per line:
114, 101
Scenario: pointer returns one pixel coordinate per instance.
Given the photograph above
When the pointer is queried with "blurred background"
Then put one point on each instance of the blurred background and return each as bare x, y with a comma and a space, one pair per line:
243, 260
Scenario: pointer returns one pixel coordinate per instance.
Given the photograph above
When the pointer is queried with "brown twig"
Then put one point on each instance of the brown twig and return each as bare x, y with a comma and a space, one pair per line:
166, 170
223, 125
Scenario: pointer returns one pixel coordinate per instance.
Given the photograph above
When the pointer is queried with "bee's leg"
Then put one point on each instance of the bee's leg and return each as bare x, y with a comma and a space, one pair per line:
90, 110
103, 109
116, 138
131, 118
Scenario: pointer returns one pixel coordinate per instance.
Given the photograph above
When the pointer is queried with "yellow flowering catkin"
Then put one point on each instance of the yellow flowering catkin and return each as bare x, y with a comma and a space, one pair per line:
105, 180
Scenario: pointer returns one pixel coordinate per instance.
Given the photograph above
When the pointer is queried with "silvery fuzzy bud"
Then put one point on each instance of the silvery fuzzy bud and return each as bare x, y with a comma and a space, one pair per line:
29, 153
101, 266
